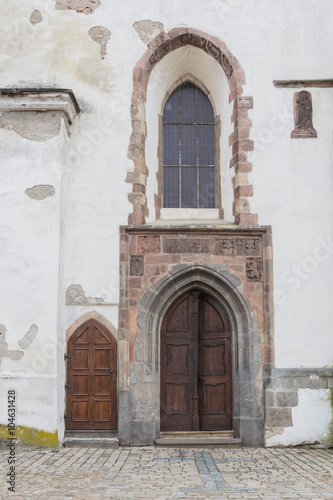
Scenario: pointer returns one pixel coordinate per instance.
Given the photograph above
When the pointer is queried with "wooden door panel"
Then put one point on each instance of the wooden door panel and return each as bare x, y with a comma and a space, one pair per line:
102, 385
196, 365
83, 337
213, 362
80, 411
214, 399
102, 411
80, 359
177, 359
214, 366
102, 359
177, 399
92, 378
80, 385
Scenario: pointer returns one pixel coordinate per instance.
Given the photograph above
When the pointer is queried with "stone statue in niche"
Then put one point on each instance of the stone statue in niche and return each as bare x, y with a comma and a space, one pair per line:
303, 115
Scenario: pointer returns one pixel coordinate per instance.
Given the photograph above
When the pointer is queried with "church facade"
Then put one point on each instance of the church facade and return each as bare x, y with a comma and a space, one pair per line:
167, 246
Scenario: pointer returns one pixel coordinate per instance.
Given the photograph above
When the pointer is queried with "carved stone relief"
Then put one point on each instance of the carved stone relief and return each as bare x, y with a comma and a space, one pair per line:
237, 246
254, 269
185, 245
149, 244
303, 115
136, 265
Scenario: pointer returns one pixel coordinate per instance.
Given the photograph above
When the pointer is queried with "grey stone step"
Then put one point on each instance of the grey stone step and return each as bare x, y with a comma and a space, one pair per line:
91, 443
91, 439
198, 439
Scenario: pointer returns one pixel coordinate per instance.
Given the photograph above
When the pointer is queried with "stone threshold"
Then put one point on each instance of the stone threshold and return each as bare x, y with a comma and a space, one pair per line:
91, 439
198, 439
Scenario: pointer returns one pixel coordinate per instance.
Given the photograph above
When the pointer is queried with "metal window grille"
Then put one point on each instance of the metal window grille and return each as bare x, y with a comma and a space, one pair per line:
188, 150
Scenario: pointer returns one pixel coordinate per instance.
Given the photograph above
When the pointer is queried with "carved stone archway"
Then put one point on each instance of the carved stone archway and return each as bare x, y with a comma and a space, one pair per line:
239, 140
142, 425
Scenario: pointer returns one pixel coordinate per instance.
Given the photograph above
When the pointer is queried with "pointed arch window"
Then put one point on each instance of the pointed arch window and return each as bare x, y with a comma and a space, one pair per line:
188, 150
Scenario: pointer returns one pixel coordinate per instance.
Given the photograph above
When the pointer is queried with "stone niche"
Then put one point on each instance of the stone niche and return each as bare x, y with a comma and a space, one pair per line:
157, 265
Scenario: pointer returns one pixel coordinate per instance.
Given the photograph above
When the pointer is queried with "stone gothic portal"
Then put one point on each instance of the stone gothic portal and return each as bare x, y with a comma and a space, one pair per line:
196, 386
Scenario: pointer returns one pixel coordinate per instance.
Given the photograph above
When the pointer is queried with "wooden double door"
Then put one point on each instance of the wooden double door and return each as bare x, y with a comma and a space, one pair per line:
196, 386
91, 378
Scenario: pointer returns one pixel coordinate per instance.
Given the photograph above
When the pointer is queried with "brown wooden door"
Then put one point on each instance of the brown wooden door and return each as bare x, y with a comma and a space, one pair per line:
195, 365
91, 378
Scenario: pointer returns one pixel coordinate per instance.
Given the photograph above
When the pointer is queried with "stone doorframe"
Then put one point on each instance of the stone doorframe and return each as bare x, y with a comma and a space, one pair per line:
139, 417
239, 140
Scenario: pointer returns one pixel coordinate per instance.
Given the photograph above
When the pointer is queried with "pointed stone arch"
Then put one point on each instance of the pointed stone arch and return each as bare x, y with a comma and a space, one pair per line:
217, 281
239, 140
91, 315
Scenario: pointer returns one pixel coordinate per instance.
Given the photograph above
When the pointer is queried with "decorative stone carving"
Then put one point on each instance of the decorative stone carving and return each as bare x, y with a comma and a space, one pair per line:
213, 51
237, 246
303, 115
185, 245
149, 244
254, 269
226, 65
136, 265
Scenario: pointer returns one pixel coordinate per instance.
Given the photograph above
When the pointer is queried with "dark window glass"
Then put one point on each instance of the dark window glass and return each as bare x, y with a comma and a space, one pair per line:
206, 145
171, 144
188, 144
188, 150
171, 187
207, 187
189, 187
171, 110
188, 105
205, 110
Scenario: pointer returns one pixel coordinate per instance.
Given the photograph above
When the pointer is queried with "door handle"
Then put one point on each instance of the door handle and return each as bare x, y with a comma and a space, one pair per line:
111, 374
201, 379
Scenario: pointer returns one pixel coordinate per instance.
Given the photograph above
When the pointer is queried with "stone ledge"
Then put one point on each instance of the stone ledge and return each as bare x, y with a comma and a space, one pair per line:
62, 100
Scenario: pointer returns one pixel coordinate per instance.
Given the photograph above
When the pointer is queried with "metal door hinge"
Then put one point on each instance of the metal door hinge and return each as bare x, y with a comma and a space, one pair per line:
68, 387
68, 357
69, 416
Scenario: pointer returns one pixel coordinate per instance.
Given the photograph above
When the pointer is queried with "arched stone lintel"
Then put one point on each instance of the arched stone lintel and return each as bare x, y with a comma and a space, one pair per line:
225, 287
216, 280
158, 48
91, 315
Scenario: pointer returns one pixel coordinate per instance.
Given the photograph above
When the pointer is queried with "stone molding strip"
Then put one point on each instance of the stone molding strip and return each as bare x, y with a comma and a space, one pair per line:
239, 140
40, 99
295, 84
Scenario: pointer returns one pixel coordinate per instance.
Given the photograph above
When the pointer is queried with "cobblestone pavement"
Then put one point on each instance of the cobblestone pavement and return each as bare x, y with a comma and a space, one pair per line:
166, 473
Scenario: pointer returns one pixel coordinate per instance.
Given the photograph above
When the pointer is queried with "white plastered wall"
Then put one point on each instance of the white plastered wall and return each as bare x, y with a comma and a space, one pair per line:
30, 244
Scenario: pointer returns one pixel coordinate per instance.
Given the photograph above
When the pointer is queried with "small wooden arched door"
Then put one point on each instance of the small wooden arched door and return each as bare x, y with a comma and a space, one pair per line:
196, 387
91, 378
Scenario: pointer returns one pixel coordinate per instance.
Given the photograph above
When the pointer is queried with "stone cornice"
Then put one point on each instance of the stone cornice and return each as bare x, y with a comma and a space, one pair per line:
39, 99
303, 83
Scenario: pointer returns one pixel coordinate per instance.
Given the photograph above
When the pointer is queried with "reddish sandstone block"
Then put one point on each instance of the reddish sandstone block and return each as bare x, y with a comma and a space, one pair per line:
135, 282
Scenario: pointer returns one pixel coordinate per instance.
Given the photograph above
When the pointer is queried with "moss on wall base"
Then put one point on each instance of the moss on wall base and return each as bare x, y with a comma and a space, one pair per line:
30, 436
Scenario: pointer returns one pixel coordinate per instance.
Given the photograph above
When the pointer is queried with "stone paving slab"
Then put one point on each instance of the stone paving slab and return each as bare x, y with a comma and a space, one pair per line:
167, 473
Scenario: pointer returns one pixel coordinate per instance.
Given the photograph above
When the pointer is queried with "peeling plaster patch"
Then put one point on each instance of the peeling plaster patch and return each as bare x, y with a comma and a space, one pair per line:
37, 126
40, 192
269, 433
14, 355
81, 6
75, 297
36, 17
29, 337
148, 30
100, 35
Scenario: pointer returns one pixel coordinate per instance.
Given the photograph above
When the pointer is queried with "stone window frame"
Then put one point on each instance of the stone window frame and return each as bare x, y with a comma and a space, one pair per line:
188, 78
239, 140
